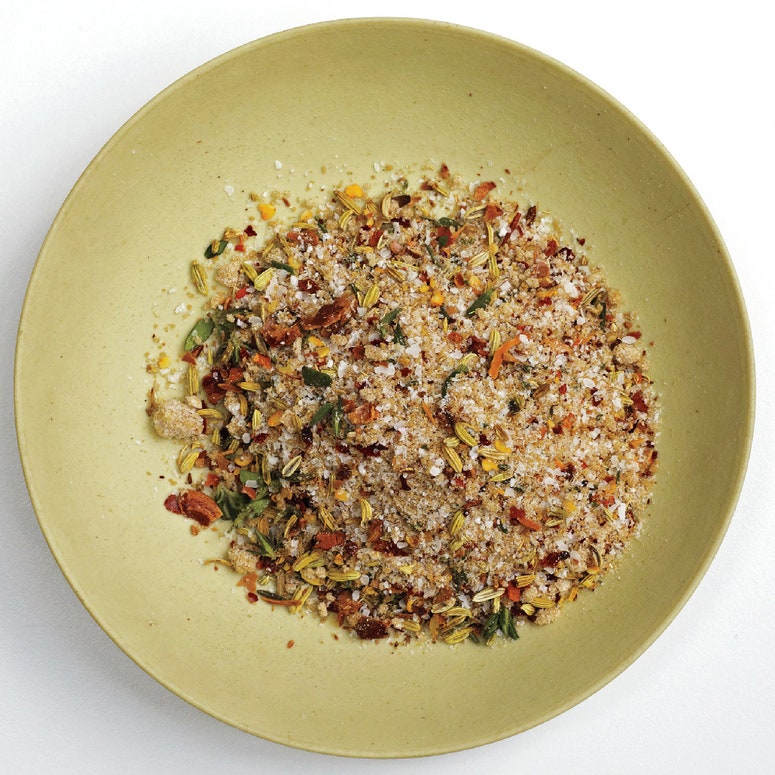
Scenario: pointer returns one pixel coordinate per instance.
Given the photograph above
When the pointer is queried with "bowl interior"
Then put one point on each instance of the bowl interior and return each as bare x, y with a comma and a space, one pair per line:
300, 112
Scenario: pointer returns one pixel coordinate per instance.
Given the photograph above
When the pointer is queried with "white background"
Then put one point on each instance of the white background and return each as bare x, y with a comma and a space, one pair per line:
699, 75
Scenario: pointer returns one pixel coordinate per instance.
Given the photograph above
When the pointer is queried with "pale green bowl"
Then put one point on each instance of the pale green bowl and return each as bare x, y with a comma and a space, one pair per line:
327, 102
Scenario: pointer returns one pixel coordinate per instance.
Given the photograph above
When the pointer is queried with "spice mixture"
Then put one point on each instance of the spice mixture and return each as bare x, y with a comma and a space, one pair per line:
420, 411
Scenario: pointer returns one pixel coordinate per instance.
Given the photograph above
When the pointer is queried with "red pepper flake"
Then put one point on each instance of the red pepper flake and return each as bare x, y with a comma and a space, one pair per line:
369, 628
514, 225
277, 335
250, 231
551, 248
338, 310
328, 539
513, 592
638, 402
492, 211
262, 360
241, 292
218, 381
479, 346
444, 236
308, 285
363, 414
290, 644
568, 421
551, 559
249, 491
371, 450
517, 515
481, 191
171, 504
200, 507
310, 236
240, 247
249, 581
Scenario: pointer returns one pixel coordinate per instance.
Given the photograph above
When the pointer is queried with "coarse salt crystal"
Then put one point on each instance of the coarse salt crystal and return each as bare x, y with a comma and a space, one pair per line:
387, 371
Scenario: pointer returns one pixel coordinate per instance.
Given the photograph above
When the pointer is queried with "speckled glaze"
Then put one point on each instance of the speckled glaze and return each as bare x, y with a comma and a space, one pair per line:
314, 107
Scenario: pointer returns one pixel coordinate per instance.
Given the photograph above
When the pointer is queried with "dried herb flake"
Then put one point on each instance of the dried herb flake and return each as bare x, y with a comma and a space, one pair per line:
199, 334
216, 248
481, 301
314, 378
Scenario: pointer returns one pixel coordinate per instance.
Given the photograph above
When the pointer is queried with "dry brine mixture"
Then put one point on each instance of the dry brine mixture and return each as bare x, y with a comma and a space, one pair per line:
420, 411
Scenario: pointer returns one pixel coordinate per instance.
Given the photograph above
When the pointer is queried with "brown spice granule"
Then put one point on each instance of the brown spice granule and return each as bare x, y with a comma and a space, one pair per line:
436, 414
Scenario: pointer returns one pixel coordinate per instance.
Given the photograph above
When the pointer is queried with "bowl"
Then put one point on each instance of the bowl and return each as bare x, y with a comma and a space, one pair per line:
300, 112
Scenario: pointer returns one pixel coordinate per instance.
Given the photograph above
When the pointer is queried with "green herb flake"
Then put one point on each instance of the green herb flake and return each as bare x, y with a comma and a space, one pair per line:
462, 369
459, 578
490, 627
481, 301
337, 418
246, 476
391, 319
199, 334
265, 548
285, 267
216, 248
450, 223
314, 378
507, 624
322, 413
229, 501
254, 508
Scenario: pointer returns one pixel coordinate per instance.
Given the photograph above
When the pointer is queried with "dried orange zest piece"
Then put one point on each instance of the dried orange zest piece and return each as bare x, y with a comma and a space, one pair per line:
497, 357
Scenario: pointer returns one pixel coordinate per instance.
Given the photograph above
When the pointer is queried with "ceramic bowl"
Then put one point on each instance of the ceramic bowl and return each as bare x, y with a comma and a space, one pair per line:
300, 112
